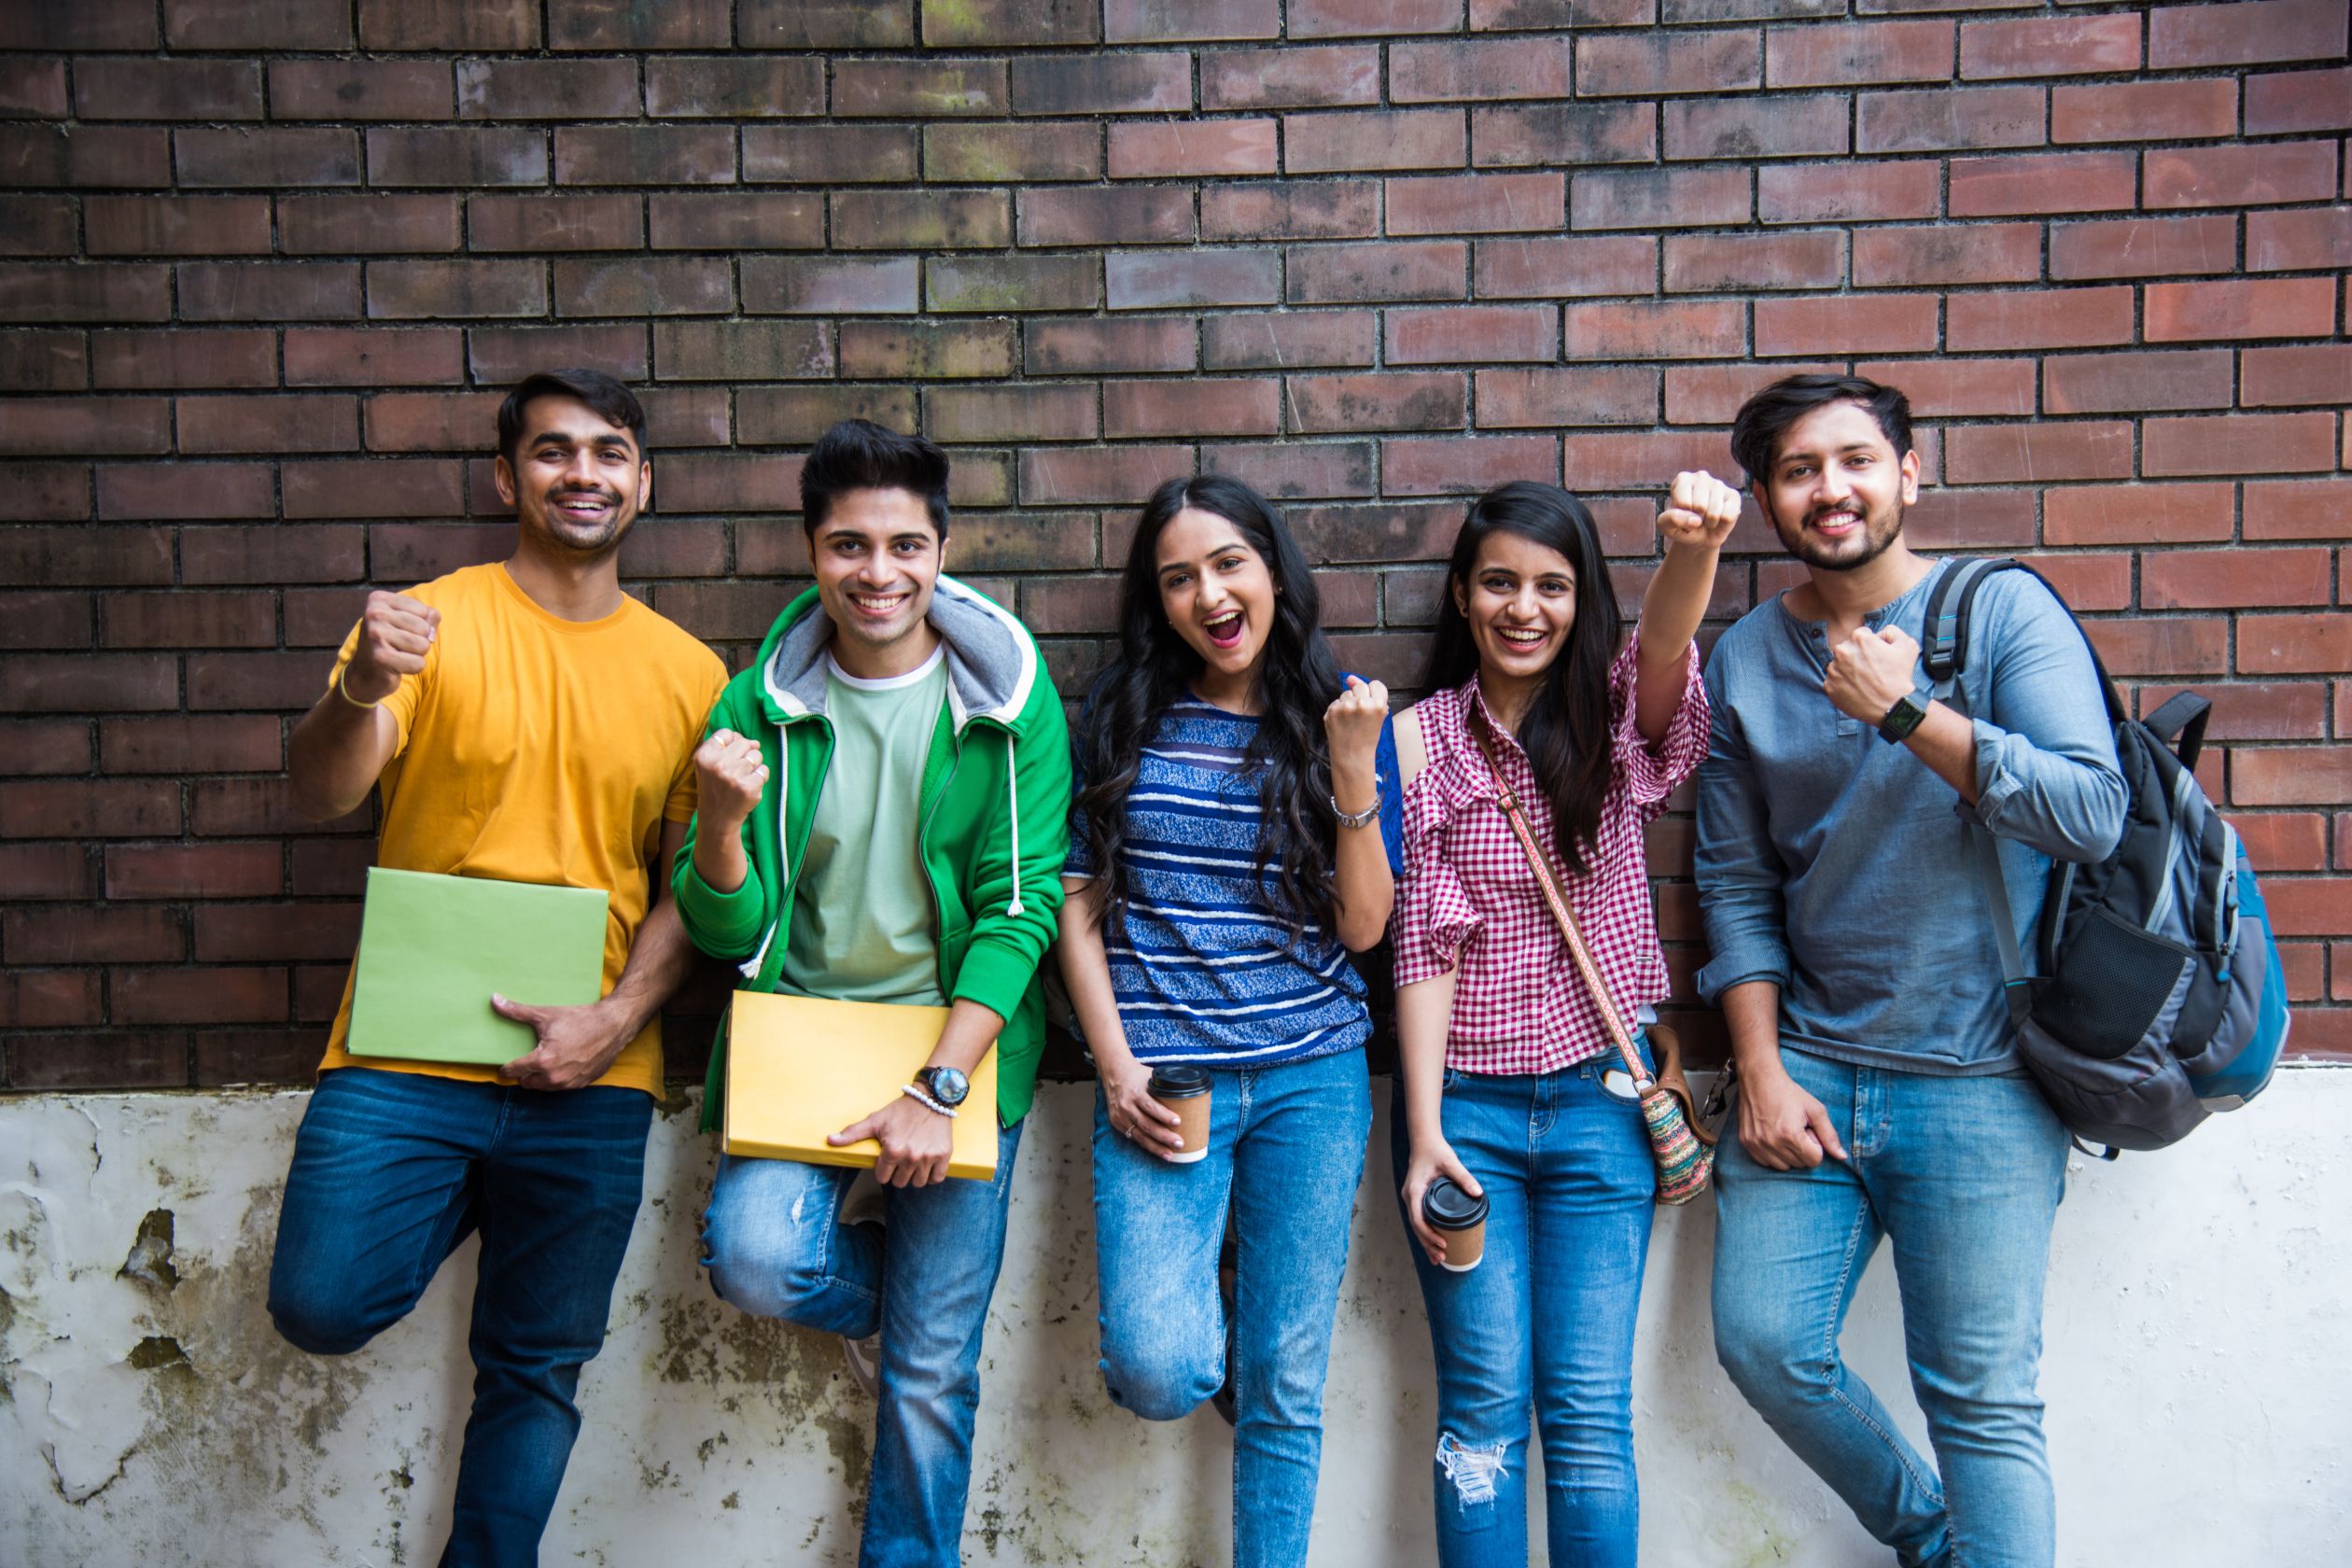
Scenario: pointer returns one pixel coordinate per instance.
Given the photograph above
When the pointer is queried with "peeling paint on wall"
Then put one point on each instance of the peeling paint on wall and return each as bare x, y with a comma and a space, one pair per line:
150, 1413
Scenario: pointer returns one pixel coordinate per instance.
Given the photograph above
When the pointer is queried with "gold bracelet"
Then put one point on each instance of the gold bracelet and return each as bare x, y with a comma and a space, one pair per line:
345, 692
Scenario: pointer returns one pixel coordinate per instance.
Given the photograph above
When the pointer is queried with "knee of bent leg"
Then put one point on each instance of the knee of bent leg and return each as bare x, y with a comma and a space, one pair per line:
1767, 1366
318, 1321
765, 1281
1989, 1396
758, 1272
1156, 1380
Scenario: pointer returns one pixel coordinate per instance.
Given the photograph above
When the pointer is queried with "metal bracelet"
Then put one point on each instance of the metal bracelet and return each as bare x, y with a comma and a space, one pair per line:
1357, 818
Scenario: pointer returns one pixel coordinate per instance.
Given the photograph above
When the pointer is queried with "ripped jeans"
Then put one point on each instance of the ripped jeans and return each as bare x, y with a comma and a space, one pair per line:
1546, 1320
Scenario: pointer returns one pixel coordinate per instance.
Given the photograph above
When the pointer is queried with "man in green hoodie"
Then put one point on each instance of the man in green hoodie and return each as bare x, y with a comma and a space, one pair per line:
863, 790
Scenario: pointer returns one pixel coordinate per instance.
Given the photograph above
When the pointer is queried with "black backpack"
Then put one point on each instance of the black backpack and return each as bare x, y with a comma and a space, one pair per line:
2159, 997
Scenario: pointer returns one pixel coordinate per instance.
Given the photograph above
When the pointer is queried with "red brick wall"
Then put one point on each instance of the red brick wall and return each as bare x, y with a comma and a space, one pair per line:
267, 263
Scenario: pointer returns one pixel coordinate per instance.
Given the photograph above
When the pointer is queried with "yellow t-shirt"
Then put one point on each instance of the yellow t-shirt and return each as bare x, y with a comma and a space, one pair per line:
538, 750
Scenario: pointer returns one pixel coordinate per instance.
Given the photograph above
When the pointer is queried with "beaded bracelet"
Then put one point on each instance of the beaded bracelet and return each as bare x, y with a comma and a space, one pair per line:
923, 1099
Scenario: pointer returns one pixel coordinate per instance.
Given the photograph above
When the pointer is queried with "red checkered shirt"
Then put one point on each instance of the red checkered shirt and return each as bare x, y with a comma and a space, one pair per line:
1470, 898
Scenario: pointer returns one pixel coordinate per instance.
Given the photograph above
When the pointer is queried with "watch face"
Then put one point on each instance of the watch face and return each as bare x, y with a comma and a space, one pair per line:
947, 1085
1903, 718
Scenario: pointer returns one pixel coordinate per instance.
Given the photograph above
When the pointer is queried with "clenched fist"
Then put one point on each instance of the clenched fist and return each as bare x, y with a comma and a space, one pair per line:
729, 775
1700, 511
396, 631
1351, 726
1869, 672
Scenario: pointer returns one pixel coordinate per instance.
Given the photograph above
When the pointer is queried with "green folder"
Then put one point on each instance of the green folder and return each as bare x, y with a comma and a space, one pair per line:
432, 949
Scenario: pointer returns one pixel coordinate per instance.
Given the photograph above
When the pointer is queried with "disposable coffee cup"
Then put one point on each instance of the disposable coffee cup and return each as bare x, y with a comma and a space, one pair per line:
1461, 1218
1185, 1091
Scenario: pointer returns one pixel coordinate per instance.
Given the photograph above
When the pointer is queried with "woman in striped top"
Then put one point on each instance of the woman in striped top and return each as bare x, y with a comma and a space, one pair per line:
1231, 844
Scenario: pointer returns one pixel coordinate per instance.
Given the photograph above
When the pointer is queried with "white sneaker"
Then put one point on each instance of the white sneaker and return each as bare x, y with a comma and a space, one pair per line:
867, 1204
864, 1359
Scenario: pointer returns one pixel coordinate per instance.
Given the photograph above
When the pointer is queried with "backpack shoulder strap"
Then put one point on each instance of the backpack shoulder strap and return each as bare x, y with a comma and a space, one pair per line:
1943, 644
1944, 651
1412, 748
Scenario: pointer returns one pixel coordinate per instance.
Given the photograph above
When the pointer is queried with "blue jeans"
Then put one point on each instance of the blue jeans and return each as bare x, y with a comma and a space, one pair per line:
1962, 1175
1545, 1320
775, 1247
1285, 1152
391, 1171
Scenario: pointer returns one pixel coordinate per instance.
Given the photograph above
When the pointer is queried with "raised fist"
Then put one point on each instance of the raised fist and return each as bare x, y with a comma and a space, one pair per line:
1352, 724
1701, 511
396, 631
729, 775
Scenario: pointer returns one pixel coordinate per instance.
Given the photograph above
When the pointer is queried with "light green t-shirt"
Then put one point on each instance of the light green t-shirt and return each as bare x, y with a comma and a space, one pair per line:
864, 921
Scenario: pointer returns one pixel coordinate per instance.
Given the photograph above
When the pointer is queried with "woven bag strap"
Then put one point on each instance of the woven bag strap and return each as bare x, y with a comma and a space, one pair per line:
1582, 956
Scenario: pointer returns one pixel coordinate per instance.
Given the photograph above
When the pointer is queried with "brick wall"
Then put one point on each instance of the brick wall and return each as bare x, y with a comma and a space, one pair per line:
268, 264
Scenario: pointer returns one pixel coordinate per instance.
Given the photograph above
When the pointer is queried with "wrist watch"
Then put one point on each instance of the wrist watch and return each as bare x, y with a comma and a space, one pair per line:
1901, 719
944, 1084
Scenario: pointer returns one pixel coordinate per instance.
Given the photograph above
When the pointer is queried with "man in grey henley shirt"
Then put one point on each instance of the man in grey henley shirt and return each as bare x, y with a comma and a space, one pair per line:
1855, 962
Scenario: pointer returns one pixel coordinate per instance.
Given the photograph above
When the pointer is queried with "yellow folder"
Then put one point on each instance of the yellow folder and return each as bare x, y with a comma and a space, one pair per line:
800, 1068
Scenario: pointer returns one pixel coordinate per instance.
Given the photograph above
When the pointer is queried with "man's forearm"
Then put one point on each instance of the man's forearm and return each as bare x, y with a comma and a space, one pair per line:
1946, 742
718, 858
970, 1030
1751, 1013
659, 962
334, 756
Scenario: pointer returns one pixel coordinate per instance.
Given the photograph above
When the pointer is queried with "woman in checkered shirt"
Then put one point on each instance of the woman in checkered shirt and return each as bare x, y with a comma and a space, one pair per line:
1506, 1083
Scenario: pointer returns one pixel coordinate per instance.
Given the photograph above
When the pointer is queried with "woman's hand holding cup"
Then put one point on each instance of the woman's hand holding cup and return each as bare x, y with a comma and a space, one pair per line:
1430, 1159
1127, 1094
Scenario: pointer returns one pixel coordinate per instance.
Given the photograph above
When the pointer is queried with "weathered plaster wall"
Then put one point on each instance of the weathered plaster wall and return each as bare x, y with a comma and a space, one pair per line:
2201, 1406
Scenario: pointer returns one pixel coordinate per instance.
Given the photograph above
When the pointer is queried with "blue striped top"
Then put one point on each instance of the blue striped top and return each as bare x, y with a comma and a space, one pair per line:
1203, 967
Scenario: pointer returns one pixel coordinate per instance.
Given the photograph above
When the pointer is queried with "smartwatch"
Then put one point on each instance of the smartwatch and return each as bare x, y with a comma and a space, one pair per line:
944, 1084
1901, 719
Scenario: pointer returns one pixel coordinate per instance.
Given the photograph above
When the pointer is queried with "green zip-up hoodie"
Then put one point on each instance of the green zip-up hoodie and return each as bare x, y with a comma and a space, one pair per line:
995, 796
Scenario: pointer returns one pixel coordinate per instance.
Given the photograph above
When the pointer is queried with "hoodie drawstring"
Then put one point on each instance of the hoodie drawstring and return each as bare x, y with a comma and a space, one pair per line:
1012, 799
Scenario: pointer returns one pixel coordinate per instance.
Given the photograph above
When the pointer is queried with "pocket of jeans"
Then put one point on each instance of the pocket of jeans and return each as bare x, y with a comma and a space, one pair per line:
1616, 1083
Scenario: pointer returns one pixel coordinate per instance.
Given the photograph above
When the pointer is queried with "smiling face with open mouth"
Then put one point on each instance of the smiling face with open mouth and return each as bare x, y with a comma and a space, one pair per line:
576, 481
1218, 595
1838, 488
1520, 602
877, 557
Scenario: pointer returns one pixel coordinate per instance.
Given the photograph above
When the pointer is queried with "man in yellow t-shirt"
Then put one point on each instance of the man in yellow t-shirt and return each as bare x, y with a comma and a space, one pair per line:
526, 722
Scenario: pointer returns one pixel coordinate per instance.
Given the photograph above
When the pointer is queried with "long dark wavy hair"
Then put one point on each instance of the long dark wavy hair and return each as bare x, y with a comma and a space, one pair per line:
1565, 733
1296, 679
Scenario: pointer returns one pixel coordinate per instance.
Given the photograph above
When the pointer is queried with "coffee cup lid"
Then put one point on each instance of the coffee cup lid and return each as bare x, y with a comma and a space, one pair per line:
1448, 1207
1178, 1081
